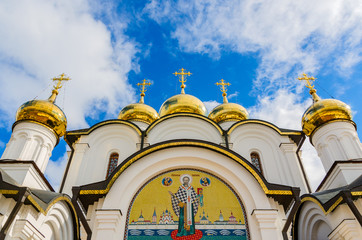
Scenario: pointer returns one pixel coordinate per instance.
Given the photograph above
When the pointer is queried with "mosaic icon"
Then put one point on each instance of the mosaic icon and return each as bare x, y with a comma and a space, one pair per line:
167, 181
204, 181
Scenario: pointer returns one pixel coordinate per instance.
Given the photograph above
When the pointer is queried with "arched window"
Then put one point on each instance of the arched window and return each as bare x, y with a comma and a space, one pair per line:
255, 160
113, 161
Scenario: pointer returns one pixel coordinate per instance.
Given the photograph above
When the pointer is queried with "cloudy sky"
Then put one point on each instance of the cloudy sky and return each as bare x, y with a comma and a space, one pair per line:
106, 47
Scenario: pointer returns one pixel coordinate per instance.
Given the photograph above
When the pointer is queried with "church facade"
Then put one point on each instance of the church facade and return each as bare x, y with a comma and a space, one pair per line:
182, 174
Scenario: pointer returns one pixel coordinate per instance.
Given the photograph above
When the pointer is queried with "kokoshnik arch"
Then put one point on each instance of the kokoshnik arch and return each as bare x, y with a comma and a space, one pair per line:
181, 173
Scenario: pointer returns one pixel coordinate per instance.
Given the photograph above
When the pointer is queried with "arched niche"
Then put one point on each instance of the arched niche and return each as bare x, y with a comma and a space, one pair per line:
135, 176
217, 212
312, 223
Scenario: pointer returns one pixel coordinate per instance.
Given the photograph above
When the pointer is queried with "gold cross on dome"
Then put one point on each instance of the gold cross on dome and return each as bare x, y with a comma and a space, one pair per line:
182, 77
223, 87
307, 80
143, 89
62, 77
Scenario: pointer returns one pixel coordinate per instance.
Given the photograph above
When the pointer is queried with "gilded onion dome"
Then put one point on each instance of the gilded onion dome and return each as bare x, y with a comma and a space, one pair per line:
45, 112
184, 103
139, 111
227, 111
322, 110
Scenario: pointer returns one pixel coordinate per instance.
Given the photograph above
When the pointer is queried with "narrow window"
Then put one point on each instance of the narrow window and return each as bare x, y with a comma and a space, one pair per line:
113, 161
255, 160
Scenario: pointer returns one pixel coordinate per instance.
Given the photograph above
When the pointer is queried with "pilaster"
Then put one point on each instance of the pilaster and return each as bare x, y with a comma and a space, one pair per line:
267, 221
107, 224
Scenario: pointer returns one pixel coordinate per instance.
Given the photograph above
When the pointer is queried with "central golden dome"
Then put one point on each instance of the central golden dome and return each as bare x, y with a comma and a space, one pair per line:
139, 112
44, 112
182, 103
228, 112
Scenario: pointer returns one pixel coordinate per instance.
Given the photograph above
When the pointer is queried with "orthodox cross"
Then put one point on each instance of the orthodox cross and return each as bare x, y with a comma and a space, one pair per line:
62, 77
307, 80
308, 84
144, 83
223, 89
182, 77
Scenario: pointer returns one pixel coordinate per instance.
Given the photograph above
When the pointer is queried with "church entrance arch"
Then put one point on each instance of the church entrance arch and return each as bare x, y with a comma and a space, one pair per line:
186, 204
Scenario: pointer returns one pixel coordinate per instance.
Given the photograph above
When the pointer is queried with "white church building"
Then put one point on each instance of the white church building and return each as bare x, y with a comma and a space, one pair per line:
135, 165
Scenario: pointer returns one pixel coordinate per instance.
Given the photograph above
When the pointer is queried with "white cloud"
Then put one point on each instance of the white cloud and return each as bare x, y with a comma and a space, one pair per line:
210, 105
233, 95
43, 38
285, 110
55, 170
289, 36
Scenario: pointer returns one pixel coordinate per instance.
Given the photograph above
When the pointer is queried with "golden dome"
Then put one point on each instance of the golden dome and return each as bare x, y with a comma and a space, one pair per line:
139, 112
228, 112
44, 112
323, 111
182, 103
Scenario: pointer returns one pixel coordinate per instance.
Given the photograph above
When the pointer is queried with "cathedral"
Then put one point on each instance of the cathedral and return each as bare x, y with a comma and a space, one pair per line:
182, 173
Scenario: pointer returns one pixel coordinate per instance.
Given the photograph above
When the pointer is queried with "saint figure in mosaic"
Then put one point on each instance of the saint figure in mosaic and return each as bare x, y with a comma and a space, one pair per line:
185, 204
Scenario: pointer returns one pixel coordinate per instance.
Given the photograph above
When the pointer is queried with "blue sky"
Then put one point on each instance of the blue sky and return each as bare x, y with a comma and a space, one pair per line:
106, 47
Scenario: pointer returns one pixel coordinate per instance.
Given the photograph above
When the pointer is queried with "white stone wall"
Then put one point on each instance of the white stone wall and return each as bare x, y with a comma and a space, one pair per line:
92, 152
279, 159
278, 155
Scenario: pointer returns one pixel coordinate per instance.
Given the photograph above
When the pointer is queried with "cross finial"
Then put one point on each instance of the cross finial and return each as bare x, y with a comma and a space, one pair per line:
308, 83
307, 80
182, 78
143, 89
62, 77
223, 87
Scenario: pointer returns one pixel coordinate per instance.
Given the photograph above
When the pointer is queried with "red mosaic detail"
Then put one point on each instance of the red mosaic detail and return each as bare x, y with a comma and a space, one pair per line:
196, 236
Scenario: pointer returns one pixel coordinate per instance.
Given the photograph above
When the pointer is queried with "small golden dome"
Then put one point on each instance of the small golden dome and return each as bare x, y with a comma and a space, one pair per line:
182, 103
44, 112
323, 111
228, 112
139, 112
